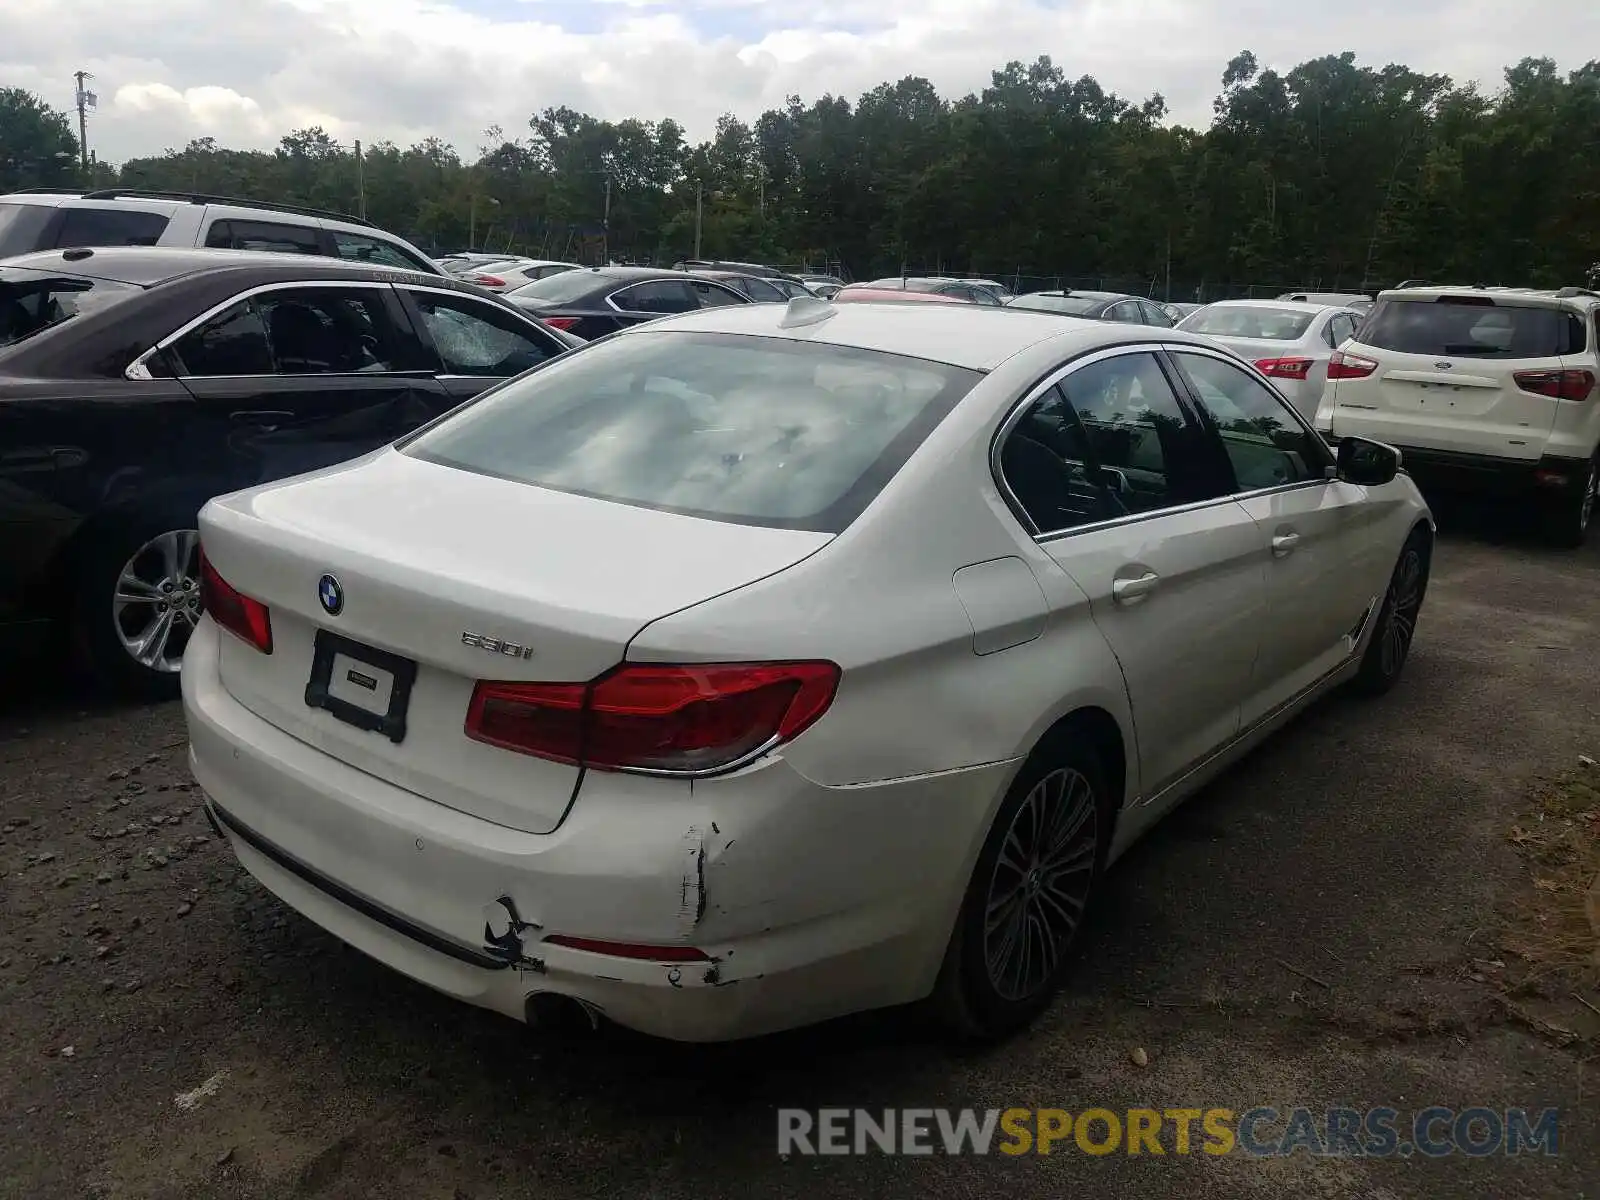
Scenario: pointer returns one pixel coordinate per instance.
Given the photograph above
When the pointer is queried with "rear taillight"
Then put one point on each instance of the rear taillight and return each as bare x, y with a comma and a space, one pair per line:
230, 608
486, 280
560, 322
1343, 365
1558, 385
1284, 368
681, 719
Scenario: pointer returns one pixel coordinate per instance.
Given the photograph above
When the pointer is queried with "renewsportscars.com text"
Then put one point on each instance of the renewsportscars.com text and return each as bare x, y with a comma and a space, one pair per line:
1262, 1132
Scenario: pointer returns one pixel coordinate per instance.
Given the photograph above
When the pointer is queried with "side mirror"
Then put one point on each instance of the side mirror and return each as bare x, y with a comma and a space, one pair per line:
1368, 463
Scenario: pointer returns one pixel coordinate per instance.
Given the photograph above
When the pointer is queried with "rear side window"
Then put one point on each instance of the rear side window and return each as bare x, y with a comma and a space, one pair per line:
110, 227
32, 301
358, 247
656, 296
265, 235
1471, 328
750, 430
24, 228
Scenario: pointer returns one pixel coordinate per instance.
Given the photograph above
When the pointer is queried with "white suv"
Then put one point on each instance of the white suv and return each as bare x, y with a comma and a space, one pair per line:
49, 220
1480, 388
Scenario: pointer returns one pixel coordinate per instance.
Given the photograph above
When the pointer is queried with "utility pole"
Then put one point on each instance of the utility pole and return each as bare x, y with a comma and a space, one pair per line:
361, 184
699, 213
85, 101
605, 226
472, 222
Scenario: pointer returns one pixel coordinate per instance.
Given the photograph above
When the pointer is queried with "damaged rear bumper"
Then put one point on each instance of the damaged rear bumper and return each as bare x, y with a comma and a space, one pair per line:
807, 901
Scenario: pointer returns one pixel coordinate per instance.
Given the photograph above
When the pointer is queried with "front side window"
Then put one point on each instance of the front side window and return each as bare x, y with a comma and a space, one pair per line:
750, 430
264, 235
1266, 445
32, 301
110, 227
478, 340
762, 292
358, 247
713, 295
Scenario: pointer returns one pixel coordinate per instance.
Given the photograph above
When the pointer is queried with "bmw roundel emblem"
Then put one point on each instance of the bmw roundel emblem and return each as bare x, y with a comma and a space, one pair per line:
331, 595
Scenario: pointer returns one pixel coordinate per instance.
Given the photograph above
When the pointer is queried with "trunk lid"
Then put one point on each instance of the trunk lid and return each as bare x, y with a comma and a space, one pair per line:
1446, 371
459, 573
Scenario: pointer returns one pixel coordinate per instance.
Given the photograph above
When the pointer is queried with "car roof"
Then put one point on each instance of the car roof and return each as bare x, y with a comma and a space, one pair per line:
1074, 294
974, 336
896, 295
1527, 297
1308, 306
150, 265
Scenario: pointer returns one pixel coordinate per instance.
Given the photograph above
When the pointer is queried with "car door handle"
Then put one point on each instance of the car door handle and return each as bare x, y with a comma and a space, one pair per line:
266, 419
1283, 544
43, 458
1131, 591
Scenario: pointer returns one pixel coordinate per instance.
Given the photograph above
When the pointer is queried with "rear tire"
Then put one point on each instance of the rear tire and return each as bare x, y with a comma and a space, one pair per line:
1017, 931
1390, 644
136, 598
1567, 519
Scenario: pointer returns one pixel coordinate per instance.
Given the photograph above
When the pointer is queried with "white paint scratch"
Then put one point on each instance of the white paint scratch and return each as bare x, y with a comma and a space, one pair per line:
187, 1101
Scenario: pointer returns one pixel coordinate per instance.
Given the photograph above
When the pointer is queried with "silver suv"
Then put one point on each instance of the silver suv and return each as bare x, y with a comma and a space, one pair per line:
45, 219
1490, 389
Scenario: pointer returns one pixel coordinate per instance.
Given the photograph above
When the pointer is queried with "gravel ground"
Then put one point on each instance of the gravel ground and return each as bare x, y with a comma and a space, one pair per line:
1305, 933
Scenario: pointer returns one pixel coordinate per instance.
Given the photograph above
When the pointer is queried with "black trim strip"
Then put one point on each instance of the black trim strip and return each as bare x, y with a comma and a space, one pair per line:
367, 908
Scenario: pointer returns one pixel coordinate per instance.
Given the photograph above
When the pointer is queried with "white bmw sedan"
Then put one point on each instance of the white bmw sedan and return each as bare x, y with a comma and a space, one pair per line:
765, 664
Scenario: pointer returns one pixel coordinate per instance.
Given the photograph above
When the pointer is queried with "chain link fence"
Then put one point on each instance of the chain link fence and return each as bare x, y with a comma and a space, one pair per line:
1153, 288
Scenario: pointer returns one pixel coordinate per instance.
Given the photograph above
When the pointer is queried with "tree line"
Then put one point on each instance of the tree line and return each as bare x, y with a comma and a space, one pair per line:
1331, 175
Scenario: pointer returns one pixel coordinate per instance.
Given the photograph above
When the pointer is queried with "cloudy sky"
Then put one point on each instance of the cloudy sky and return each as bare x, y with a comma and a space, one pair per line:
247, 71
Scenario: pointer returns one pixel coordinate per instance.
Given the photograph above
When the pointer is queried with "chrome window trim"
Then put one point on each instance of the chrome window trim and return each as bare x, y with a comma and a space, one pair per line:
1037, 392
188, 327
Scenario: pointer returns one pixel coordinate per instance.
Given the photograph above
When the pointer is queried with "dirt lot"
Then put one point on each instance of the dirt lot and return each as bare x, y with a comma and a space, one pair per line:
1321, 928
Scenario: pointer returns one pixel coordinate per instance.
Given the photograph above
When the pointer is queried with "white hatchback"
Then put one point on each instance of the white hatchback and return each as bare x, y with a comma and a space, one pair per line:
766, 664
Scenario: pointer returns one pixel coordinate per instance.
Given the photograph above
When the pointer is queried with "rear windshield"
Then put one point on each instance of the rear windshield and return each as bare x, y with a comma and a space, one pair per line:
559, 289
751, 430
1471, 328
1073, 306
31, 301
1224, 320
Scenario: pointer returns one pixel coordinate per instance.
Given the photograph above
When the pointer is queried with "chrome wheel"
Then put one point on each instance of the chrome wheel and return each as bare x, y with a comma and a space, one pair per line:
157, 600
1404, 603
1040, 884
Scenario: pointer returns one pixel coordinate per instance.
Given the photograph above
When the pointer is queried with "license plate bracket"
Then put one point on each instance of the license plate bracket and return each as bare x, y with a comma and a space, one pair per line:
344, 672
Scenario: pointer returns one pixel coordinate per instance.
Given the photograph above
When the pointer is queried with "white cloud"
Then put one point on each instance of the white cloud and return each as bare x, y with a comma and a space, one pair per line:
248, 71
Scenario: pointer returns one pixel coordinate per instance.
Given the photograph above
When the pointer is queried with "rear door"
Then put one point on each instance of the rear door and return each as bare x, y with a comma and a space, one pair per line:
1324, 566
1445, 373
1173, 568
303, 376
473, 344
302, 236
